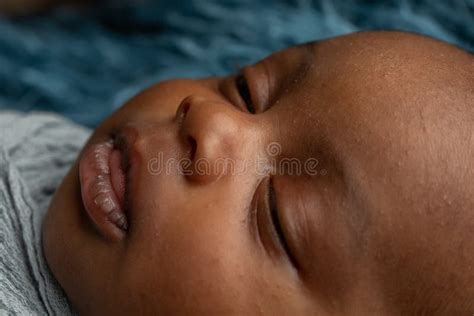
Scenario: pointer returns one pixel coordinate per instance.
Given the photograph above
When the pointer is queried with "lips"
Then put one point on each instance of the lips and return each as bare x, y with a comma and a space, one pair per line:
103, 188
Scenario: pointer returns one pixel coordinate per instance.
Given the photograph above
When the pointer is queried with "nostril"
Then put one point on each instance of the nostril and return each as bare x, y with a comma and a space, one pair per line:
182, 111
192, 147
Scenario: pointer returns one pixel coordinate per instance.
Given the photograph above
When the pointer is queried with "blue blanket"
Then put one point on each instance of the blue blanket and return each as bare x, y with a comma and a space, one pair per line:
84, 64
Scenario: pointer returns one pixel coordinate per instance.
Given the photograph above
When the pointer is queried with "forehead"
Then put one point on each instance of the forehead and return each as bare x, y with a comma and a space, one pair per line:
368, 88
389, 117
376, 111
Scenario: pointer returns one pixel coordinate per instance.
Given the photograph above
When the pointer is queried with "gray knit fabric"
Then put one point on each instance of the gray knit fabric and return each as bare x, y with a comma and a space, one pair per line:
36, 151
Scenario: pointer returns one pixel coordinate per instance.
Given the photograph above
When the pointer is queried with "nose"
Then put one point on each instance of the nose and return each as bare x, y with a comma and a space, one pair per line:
212, 132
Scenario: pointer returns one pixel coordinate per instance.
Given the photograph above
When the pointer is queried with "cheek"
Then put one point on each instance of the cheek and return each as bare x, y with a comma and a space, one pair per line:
71, 245
193, 257
196, 254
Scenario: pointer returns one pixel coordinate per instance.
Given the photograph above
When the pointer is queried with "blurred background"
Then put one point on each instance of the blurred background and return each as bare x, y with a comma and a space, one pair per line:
83, 60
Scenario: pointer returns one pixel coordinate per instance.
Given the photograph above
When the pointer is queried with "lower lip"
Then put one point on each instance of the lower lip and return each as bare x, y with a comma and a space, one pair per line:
102, 188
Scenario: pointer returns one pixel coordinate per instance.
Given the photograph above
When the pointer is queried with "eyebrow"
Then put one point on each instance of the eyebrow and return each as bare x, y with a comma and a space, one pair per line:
309, 46
307, 62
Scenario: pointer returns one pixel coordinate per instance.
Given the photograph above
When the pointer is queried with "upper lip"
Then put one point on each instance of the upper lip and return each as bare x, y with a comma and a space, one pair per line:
123, 139
121, 143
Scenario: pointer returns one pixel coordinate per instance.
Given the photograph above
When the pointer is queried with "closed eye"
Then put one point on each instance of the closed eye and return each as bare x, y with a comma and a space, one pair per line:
267, 222
274, 214
244, 92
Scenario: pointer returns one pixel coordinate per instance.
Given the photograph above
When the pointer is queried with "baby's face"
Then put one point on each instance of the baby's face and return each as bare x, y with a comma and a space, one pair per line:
329, 178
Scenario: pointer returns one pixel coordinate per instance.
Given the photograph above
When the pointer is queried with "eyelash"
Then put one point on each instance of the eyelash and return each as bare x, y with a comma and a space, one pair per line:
244, 92
274, 215
268, 222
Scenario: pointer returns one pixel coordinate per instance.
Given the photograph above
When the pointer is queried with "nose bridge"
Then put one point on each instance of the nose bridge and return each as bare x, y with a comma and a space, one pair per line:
213, 130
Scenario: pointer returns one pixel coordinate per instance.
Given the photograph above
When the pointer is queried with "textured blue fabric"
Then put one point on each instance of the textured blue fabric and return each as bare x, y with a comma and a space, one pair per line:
84, 64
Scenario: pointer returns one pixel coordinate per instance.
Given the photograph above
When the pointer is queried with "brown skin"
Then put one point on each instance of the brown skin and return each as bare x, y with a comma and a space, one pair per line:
388, 229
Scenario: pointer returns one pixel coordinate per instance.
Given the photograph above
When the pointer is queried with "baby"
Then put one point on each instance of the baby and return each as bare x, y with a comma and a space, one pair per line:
331, 178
